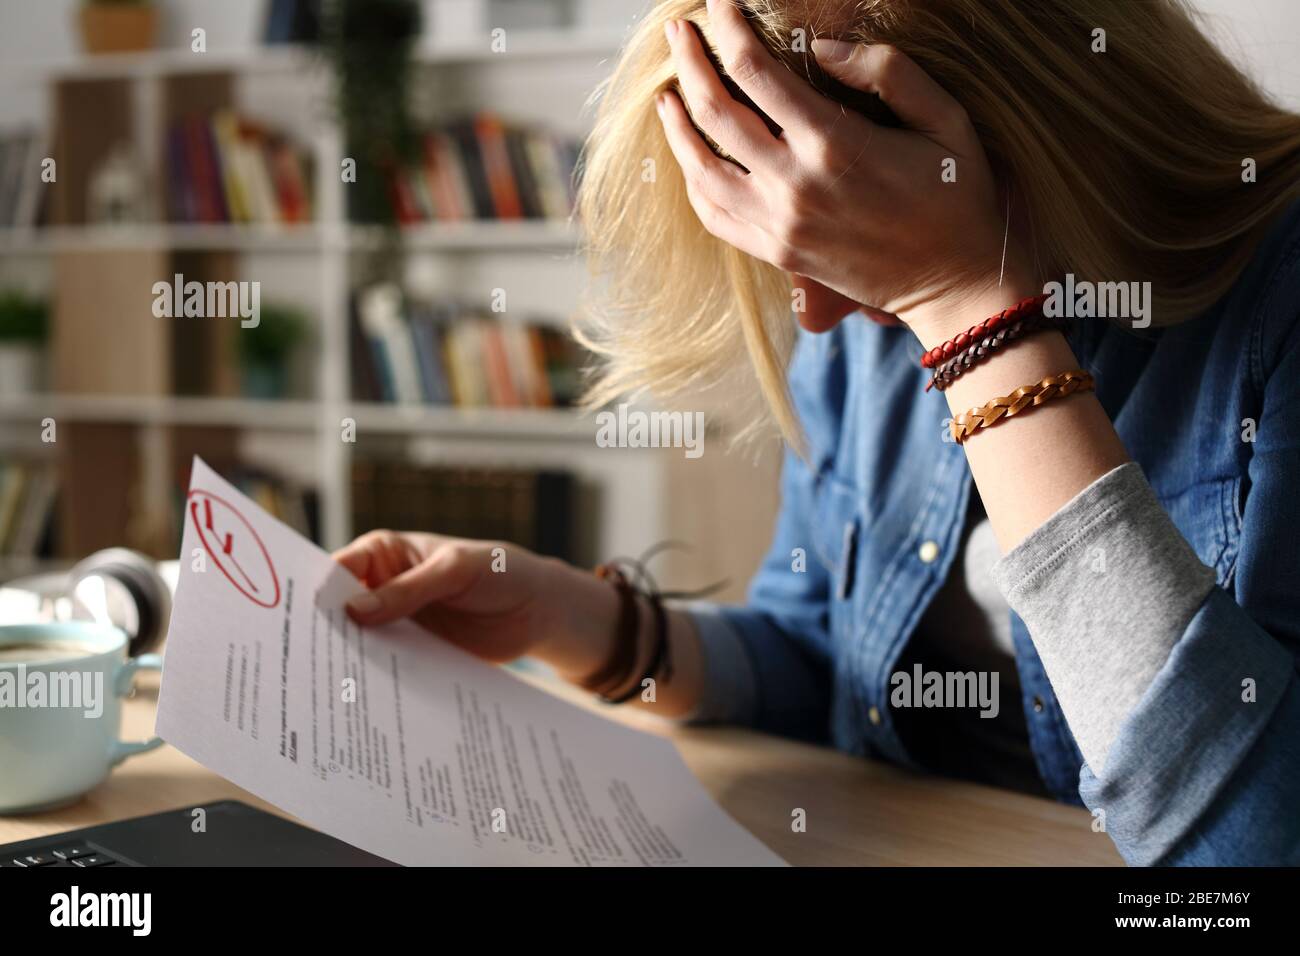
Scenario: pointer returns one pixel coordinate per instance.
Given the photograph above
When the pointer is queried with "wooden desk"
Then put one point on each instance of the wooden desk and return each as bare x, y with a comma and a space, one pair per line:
858, 813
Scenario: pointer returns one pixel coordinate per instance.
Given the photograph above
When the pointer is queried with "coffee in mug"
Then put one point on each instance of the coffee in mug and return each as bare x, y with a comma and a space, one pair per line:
44, 652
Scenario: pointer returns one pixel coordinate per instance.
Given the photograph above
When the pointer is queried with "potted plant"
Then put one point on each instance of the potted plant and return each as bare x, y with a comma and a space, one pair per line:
370, 44
118, 26
267, 350
23, 325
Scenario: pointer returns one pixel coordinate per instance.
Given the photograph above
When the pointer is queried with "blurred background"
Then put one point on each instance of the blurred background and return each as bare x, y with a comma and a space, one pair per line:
397, 177
418, 269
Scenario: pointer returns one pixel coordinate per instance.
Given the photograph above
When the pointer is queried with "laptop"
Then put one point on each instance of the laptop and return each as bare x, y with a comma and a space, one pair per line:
234, 834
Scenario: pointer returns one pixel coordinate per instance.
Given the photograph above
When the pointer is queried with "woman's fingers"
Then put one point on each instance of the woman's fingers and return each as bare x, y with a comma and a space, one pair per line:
720, 223
908, 90
443, 575
734, 127
354, 556
721, 182
370, 557
739, 234
788, 100
719, 193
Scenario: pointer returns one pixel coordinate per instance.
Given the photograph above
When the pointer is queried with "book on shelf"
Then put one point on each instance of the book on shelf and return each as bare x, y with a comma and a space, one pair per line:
22, 194
480, 167
292, 21
529, 507
224, 168
28, 493
445, 353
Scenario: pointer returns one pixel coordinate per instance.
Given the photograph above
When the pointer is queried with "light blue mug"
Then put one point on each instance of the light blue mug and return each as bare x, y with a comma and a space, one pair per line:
61, 690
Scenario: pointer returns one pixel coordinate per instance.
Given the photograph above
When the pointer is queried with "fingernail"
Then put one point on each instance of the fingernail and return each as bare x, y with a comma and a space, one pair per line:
670, 30
832, 51
365, 604
659, 103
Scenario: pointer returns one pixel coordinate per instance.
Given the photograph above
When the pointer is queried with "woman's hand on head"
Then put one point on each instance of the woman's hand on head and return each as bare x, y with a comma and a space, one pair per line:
491, 598
861, 208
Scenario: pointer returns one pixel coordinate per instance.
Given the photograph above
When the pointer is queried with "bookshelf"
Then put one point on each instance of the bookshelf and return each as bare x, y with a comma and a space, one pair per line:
559, 237
134, 423
523, 425
532, 45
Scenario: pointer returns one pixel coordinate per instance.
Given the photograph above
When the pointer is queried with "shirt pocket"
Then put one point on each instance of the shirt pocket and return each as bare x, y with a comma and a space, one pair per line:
1209, 517
837, 539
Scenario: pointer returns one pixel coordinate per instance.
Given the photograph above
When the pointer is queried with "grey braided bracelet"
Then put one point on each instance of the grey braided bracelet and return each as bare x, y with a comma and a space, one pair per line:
977, 351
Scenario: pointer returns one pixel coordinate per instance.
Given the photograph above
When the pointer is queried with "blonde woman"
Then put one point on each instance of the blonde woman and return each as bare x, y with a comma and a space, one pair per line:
1093, 512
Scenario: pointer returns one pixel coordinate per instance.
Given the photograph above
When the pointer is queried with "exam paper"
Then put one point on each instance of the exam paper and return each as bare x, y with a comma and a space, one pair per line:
393, 740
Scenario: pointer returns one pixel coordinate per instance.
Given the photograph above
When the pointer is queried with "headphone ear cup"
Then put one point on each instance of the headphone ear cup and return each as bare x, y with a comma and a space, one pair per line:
138, 577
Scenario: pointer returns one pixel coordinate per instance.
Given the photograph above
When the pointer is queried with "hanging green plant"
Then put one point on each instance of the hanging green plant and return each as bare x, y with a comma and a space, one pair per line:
370, 44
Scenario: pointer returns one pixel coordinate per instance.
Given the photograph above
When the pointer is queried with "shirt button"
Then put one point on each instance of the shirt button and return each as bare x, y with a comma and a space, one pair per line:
1038, 705
928, 552
873, 715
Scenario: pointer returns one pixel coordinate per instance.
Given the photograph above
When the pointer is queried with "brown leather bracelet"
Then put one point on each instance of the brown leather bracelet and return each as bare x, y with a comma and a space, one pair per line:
622, 661
1025, 397
620, 669
660, 656
976, 352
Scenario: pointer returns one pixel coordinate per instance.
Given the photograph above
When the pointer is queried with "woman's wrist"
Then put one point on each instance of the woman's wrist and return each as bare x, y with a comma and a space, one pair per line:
950, 318
1023, 362
579, 623
1028, 467
580, 628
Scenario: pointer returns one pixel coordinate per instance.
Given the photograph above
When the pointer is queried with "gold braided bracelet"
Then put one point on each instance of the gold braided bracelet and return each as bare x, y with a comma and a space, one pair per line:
1027, 396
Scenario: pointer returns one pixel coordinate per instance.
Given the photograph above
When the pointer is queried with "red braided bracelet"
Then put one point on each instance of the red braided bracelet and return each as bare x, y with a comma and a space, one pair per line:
1022, 309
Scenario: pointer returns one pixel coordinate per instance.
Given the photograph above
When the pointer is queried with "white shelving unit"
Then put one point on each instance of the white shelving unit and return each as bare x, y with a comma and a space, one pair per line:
310, 239
303, 436
295, 60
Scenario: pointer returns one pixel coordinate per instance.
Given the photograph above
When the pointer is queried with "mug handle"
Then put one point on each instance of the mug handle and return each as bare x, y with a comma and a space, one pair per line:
122, 749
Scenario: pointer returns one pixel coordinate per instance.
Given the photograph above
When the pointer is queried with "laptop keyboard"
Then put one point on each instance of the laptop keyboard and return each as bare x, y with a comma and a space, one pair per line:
71, 854
250, 837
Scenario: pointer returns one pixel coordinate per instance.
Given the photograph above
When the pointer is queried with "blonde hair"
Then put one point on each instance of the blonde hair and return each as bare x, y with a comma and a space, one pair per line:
1127, 165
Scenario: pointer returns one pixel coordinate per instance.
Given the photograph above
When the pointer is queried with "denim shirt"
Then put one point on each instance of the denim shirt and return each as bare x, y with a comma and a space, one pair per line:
872, 518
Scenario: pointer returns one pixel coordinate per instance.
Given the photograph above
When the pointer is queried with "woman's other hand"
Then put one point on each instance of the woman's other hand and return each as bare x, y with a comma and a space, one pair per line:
861, 208
495, 600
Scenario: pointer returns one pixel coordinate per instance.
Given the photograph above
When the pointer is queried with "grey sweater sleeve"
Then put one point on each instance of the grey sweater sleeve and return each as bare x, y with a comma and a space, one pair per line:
1106, 586
729, 694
